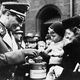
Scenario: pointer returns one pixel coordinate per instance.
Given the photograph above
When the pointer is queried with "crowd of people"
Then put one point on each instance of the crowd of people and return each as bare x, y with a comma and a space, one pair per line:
60, 50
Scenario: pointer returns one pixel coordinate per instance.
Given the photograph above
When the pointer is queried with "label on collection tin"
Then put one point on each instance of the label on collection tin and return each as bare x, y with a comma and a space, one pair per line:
38, 74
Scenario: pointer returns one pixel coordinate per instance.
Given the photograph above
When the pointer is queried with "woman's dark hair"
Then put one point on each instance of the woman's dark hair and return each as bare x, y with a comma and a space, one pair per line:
58, 28
76, 31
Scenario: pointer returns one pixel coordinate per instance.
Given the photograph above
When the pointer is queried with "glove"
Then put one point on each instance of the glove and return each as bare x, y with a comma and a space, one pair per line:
54, 72
15, 57
58, 70
51, 75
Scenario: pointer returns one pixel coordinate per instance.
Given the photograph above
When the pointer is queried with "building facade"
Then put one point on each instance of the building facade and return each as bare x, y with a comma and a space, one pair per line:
43, 12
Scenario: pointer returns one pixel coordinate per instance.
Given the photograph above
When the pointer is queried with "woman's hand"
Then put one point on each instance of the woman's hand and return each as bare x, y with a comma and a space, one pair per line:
54, 72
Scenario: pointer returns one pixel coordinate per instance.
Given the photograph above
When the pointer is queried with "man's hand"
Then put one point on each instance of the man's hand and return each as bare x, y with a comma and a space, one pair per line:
18, 56
30, 52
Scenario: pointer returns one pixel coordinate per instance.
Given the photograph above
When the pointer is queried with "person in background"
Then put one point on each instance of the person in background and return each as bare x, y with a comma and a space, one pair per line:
32, 41
37, 37
19, 44
9, 16
28, 37
18, 35
41, 46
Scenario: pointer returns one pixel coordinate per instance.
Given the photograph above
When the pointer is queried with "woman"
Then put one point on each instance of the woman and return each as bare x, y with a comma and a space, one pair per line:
71, 51
71, 56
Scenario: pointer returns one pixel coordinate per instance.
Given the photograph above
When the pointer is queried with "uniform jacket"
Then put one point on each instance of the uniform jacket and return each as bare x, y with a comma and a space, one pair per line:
10, 41
7, 44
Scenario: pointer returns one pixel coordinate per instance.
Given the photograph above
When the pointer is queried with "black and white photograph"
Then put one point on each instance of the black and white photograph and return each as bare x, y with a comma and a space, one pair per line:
39, 39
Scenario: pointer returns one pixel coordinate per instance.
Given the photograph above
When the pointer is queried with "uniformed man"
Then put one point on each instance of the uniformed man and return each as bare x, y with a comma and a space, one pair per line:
28, 37
18, 35
12, 16
12, 13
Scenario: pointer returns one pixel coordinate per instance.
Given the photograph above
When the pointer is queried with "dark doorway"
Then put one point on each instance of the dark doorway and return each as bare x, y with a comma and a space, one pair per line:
44, 30
45, 17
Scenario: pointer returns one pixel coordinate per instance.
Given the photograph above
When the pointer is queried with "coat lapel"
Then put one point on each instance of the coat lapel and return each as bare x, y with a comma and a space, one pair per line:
7, 39
10, 41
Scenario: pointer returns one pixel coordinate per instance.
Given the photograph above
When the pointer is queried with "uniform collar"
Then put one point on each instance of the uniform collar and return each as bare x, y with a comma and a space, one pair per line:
2, 29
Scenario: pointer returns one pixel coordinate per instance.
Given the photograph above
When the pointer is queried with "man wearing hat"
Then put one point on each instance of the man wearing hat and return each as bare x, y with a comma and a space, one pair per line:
12, 13
31, 40
28, 38
11, 16
18, 35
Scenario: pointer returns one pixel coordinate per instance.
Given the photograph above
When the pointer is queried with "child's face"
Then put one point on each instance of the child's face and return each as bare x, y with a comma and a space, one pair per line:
54, 36
41, 45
